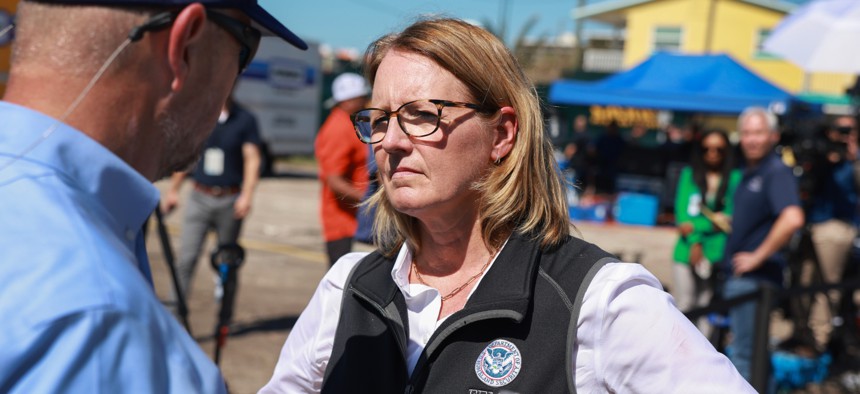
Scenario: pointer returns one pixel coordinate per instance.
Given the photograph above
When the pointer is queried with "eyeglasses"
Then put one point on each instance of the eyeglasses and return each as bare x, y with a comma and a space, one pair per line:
718, 149
418, 118
247, 36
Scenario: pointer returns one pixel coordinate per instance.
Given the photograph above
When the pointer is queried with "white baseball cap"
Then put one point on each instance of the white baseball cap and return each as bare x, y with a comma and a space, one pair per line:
347, 86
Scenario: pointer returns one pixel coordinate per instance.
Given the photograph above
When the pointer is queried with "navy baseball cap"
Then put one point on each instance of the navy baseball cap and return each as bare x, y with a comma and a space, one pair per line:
263, 21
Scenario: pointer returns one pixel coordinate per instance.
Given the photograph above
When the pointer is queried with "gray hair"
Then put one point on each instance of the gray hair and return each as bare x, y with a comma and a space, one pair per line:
768, 117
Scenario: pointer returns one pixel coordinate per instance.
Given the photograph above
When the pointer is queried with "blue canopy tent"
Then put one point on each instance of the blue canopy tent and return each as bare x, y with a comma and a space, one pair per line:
695, 83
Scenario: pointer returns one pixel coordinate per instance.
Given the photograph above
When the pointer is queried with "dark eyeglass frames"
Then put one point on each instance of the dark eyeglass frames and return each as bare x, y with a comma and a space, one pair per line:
418, 118
247, 36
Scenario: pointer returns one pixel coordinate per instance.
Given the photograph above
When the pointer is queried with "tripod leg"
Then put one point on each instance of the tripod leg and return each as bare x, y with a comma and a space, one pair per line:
181, 306
225, 314
799, 261
226, 261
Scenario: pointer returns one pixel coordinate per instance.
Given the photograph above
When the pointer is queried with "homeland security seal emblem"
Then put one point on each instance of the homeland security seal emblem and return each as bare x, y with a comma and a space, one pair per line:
499, 363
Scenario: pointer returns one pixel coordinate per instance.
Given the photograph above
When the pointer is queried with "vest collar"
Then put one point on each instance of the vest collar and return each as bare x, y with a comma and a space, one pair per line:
507, 285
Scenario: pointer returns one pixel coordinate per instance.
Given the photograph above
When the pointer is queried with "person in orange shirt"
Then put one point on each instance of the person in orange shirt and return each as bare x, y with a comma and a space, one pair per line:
342, 161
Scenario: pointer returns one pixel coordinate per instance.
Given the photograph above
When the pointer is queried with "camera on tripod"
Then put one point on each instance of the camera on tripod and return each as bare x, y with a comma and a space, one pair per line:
814, 148
839, 144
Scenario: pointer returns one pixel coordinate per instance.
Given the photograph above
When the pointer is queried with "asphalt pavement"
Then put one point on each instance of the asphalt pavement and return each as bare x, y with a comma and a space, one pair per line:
285, 260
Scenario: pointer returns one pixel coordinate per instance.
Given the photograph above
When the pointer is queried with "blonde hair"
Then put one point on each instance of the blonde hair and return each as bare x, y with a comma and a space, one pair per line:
524, 192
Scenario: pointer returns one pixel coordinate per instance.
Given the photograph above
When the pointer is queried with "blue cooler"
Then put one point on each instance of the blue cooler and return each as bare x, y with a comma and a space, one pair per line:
594, 213
636, 208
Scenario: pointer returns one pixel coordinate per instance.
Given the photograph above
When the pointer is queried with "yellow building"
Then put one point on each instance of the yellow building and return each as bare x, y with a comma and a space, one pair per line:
7, 11
735, 27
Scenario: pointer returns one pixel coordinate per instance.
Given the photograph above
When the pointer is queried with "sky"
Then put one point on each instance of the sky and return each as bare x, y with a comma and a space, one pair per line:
356, 23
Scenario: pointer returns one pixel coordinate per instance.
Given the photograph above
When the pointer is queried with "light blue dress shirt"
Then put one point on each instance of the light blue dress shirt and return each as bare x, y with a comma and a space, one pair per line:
78, 311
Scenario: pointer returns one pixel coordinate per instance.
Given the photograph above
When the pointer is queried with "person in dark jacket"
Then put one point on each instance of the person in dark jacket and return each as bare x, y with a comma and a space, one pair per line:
477, 284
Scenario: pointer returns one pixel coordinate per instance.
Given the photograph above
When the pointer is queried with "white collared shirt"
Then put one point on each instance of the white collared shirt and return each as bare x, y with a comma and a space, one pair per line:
630, 336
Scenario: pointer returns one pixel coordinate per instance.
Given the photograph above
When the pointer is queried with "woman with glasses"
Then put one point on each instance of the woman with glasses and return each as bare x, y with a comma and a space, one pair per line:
477, 285
703, 207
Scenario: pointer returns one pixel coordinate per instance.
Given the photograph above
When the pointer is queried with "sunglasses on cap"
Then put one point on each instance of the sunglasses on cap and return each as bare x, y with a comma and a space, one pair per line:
247, 36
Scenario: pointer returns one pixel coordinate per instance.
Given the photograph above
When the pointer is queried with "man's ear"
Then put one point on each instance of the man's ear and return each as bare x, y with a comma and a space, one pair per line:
506, 133
186, 31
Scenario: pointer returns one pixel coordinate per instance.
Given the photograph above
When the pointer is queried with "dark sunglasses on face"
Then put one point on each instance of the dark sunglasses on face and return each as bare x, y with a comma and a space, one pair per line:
844, 130
247, 36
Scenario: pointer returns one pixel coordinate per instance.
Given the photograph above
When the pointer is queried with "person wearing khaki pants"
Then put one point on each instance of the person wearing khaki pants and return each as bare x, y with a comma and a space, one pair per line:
832, 240
832, 214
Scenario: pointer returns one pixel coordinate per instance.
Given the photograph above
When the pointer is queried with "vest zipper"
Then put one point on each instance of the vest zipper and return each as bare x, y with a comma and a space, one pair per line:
399, 332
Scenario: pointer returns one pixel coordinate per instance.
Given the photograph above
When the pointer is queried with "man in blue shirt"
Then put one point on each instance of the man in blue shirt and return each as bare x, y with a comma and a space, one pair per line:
101, 101
767, 213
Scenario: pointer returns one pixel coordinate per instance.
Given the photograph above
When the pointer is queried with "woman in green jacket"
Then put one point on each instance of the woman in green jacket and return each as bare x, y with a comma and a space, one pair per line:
703, 207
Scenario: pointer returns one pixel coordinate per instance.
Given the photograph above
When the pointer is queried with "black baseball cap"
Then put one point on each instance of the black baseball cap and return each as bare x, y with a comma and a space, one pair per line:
263, 21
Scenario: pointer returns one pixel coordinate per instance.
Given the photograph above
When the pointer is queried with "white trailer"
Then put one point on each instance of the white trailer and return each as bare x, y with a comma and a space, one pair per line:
282, 87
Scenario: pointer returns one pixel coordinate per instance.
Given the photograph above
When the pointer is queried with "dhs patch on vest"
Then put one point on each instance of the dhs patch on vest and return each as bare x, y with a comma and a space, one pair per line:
499, 363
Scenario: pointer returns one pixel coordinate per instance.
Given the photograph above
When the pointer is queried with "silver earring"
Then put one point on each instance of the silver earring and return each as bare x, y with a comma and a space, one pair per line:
498, 160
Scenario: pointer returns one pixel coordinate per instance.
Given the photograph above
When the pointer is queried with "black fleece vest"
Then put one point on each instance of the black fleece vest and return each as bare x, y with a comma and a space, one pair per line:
515, 333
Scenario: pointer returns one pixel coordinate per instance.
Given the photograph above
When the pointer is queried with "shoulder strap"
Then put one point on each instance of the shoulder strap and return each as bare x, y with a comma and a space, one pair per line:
344, 295
576, 308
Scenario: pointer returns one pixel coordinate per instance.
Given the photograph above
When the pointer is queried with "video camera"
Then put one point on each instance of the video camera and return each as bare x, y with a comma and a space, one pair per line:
814, 145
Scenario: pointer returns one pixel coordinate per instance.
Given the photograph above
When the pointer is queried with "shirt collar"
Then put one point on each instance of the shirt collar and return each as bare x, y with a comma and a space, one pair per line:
403, 264
400, 270
765, 162
224, 116
127, 196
